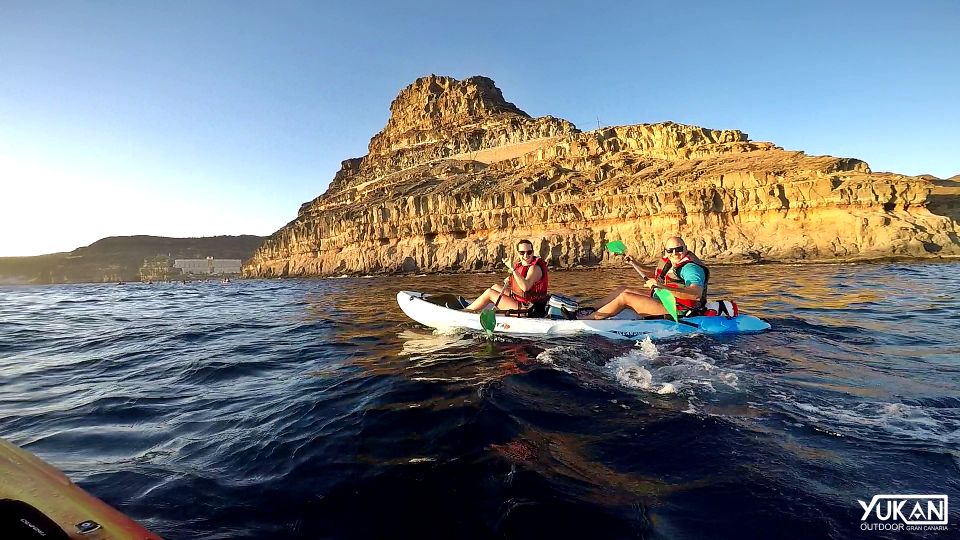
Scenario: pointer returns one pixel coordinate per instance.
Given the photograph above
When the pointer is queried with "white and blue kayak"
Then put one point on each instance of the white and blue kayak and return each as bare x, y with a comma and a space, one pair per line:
417, 306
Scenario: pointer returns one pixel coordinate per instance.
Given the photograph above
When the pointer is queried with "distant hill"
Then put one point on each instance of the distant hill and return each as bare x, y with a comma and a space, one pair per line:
120, 258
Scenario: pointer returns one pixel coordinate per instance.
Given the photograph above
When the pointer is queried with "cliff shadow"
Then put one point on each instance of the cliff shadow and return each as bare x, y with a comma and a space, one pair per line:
944, 199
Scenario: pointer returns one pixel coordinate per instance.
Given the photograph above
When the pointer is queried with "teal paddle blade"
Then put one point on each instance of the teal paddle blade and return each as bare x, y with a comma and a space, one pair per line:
616, 247
488, 320
669, 302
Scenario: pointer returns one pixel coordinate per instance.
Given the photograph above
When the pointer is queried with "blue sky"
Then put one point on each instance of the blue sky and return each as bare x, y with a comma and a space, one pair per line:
202, 118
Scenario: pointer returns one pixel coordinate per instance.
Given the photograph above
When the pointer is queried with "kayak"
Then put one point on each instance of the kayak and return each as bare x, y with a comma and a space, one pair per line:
38, 501
418, 307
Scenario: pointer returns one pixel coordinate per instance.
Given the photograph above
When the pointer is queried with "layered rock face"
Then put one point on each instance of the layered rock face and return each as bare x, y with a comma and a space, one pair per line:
458, 175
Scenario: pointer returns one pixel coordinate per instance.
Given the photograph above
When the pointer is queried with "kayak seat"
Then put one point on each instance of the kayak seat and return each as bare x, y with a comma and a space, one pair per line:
537, 310
584, 311
449, 301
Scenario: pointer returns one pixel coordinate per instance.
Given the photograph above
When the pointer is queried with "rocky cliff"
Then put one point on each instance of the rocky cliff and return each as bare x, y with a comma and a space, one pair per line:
458, 175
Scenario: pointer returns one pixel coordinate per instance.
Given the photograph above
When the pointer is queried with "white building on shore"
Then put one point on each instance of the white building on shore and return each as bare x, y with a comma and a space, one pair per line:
208, 266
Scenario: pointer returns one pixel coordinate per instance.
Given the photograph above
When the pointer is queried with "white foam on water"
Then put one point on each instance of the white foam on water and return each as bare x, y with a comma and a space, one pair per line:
667, 388
629, 370
561, 358
678, 371
881, 419
416, 343
632, 376
705, 385
552, 355
730, 379
648, 347
448, 332
444, 379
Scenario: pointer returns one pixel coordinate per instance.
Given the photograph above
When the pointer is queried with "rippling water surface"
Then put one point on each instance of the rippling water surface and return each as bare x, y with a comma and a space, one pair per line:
314, 408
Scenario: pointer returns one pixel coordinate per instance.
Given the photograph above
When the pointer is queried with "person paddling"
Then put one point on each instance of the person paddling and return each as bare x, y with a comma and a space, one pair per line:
680, 271
526, 285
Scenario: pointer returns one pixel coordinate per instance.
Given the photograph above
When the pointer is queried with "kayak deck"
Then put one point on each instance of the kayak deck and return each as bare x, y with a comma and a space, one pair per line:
38, 501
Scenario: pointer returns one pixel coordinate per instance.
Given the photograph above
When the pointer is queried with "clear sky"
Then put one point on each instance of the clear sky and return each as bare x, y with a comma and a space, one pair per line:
221, 117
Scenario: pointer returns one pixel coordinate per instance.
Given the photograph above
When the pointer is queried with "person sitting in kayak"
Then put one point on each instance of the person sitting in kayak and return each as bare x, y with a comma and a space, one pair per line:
680, 271
527, 284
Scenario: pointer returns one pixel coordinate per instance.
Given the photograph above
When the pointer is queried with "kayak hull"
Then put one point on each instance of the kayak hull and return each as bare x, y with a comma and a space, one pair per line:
415, 306
39, 499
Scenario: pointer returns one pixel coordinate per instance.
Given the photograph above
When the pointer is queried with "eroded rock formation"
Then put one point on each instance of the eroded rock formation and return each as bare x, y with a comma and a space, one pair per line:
458, 174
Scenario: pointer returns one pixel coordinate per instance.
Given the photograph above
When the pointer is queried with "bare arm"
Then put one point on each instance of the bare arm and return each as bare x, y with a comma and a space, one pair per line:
636, 266
533, 276
687, 292
524, 283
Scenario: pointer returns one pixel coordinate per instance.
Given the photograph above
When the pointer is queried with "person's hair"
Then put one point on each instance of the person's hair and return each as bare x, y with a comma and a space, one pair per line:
525, 241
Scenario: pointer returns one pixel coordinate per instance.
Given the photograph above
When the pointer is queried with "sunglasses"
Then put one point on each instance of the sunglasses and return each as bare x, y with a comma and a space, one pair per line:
678, 249
525, 252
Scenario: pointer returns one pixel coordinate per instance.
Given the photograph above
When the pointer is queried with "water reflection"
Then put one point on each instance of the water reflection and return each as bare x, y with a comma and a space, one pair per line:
266, 394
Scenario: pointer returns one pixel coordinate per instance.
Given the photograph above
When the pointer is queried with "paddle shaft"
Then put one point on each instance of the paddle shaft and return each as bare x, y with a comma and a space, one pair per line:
668, 300
499, 296
489, 323
506, 283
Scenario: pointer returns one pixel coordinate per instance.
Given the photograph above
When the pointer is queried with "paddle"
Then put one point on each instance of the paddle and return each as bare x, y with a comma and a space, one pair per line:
616, 247
488, 317
666, 297
488, 320
669, 302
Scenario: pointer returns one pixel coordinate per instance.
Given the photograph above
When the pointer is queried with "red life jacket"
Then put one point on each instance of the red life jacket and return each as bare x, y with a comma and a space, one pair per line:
536, 293
664, 275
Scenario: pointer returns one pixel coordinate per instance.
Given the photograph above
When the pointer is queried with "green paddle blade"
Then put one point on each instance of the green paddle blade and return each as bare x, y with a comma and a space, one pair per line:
616, 247
669, 302
488, 320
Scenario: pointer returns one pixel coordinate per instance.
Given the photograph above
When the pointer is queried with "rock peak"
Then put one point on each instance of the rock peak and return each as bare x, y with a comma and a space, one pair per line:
435, 103
437, 118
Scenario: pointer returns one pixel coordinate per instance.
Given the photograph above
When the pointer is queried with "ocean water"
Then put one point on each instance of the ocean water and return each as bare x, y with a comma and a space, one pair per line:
316, 409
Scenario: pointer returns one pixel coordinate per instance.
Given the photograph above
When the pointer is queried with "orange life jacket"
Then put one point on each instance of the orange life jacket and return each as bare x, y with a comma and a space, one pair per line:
536, 293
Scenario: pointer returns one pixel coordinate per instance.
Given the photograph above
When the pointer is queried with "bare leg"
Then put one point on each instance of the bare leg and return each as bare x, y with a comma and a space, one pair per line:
616, 292
489, 296
640, 303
